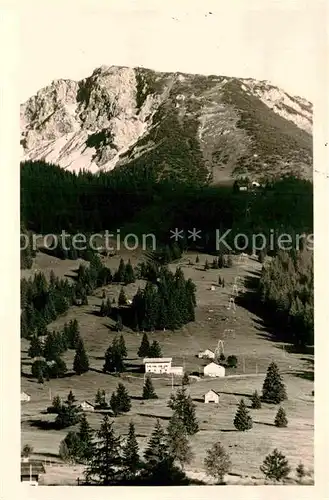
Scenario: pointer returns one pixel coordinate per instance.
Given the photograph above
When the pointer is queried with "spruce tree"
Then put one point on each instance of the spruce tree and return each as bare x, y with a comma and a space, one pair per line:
56, 404
185, 379
122, 346
157, 449
280, 418
183, 406
155, 350
104, 466
129, 275
122, 299
148, 389
242, 420
85, 435
178, 444
81, 362
123, 399
275, 466
206, 265
274, 390
256, 401
217, 462
100, 400
130, 453
197, 259
113, 358
144, 348
118, 324
35, 348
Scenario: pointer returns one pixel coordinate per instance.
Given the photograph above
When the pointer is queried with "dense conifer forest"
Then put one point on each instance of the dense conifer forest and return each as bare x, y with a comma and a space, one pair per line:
134, 199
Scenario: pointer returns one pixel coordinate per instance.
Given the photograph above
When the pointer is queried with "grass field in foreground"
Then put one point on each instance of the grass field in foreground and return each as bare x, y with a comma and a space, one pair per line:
249, 341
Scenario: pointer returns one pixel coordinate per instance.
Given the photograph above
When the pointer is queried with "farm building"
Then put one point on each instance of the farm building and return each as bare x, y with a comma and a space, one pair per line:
214, 370
177, 370
207, 354
25, 396
31, 470
87, 406
211, 397
157, 365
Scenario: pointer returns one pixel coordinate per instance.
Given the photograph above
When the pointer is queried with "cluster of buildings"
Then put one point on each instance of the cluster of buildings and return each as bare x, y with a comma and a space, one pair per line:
162, 366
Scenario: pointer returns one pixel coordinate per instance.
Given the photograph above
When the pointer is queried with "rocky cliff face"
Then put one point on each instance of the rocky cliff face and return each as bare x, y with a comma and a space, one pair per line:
189, 126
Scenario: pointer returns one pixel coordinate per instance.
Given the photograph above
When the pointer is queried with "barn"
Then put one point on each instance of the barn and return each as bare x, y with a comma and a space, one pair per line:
211, 397
214, 370
25, 396
87, 406
207, 354
157, 365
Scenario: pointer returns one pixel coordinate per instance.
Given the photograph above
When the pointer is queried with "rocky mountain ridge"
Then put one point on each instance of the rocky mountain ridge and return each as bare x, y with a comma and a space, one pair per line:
205, 127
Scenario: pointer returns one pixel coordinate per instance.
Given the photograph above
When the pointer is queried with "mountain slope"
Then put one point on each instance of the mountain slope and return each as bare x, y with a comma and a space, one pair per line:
185, 126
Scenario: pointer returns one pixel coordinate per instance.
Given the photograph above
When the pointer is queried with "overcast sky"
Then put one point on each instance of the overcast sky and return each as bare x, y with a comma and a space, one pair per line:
265, 39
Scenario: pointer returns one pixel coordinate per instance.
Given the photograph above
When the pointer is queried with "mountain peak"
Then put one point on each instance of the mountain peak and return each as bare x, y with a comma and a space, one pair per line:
205, 127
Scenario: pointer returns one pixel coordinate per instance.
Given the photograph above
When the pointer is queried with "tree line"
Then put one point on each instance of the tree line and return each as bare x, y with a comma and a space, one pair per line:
85, 202
286, 289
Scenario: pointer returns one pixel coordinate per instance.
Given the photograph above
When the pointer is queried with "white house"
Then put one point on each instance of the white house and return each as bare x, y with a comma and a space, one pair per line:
211, 397
25, 396
177, 370
157, 365
87, 406
207, 354
214, 370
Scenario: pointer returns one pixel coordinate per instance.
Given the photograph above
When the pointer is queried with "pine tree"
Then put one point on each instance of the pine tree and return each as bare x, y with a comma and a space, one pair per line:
256, 401
183, 406
148, 389
119, 276
35, 348
300, 471
217, 462
185, 379
197, 259
130, 453
113, 358
144, 348
155, 350
178, 444
118, 324
280, 418
206, 265
274, 390
85, 435
104, 465
100, 400
157, 449
242, 420
122, 346
275, 466
123, 399
129, 275
73, 447
122, 299
56, 404
81, 362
